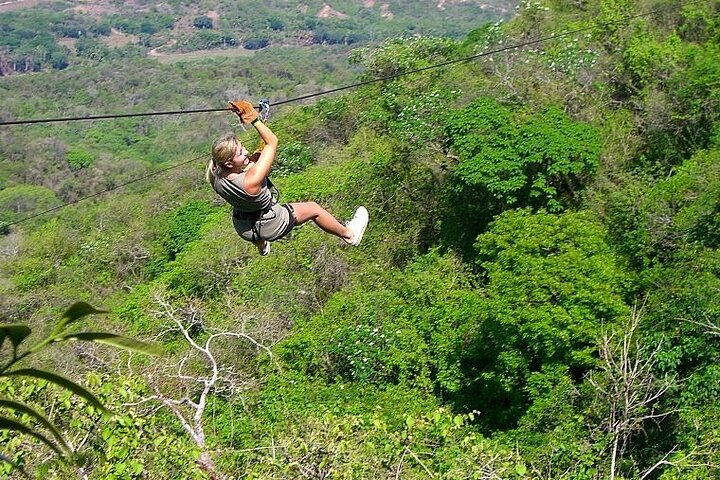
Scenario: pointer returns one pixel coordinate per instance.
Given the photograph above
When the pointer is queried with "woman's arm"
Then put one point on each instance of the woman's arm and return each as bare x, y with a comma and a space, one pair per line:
256, 174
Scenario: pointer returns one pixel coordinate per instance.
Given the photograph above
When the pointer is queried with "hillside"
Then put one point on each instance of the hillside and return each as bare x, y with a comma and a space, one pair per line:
41, 35
537, 294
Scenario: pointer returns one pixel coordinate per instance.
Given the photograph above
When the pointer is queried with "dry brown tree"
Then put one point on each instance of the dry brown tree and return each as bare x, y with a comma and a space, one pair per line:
627, 388
185, 386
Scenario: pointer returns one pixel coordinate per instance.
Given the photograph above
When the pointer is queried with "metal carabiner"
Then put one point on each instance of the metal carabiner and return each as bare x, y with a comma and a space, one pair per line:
264, 105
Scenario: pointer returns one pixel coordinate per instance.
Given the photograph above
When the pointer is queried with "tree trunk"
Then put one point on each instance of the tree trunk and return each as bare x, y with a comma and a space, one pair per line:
206, 464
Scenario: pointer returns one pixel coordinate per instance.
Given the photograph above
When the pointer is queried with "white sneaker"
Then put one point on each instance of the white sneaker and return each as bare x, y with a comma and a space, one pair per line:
357, 225
265, 248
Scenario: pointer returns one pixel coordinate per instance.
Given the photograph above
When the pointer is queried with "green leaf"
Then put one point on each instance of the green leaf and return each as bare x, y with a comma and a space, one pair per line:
116, 341
409, 421
458, 420
22, 408
65, 383
16, 331
14, 425
6, 459
76, 311
136, 467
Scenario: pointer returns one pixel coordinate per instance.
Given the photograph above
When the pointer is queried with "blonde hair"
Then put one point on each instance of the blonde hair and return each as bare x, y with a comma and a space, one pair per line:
223, 150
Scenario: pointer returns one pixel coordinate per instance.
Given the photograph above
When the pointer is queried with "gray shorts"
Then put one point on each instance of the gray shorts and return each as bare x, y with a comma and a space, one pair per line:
272, 225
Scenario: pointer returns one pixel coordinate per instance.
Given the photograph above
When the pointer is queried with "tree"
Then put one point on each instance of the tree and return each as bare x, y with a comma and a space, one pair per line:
513, 158
551, 282
275, 23
184, 225
400, 55
196, 376
59, 59
292, 157
79, 158
21, 200
681, 114
256, 42
91, 48
628, 390
408, 333
653, 223
521, 159
202, 22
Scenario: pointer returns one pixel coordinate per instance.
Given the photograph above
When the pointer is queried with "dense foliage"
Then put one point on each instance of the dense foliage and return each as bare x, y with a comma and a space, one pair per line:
537, 294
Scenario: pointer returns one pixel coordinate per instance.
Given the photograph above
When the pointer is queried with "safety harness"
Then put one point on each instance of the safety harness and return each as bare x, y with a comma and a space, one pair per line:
255, 216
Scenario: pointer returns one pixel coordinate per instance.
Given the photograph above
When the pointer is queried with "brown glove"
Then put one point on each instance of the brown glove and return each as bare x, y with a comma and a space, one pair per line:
244, 110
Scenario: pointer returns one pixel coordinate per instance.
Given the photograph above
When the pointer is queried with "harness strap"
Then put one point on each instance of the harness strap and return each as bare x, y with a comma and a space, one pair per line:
274, 192
253, 218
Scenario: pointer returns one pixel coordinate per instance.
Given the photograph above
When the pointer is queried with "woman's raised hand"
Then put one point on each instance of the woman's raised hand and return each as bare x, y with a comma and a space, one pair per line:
244, 110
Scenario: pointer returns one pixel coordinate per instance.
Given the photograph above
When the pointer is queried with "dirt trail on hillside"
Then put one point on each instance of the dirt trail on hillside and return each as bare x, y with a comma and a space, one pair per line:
7, 5
155, 52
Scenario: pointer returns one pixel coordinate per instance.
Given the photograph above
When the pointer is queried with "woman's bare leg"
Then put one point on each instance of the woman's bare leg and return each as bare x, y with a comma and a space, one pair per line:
305, 211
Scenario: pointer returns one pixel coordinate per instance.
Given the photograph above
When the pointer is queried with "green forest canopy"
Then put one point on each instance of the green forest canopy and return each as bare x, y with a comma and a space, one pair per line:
536, 295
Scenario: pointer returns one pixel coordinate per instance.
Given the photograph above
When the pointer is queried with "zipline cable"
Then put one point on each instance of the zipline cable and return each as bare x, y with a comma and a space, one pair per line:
467, 59
304, 97
623, 20
114, 187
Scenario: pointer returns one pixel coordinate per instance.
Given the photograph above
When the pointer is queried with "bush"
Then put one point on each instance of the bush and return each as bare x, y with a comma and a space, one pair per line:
292, 158
256, 42
202, 22
78, 158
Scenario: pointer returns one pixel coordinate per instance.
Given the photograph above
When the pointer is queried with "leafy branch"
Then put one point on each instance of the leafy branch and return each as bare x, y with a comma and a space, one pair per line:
16, 335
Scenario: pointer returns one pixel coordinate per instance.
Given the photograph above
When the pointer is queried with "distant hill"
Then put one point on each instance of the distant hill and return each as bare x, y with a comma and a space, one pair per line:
39, 35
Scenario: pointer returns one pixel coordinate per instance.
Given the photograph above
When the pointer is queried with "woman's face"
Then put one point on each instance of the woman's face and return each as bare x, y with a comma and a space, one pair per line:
240, 159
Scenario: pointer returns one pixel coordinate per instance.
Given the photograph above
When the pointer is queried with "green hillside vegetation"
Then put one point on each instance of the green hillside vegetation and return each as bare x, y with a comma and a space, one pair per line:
54, 35
537, 294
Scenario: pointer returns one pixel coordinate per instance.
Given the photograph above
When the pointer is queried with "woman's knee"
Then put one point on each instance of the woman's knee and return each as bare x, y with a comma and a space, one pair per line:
305, 211
313, 206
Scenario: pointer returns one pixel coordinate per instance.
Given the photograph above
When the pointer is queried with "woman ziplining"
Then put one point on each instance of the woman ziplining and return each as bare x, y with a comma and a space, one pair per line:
242, 180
